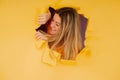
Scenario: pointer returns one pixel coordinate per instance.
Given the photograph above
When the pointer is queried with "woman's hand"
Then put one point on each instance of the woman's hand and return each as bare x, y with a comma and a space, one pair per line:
39, 36
43, 18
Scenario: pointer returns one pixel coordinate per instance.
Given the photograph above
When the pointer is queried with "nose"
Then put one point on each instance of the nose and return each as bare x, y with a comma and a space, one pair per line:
52, 24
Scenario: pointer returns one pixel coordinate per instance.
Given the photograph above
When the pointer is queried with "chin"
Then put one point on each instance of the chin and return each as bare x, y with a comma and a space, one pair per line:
52, 33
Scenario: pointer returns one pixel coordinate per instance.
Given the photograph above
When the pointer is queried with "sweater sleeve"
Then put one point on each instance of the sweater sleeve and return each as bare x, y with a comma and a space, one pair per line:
50, 57
40, 43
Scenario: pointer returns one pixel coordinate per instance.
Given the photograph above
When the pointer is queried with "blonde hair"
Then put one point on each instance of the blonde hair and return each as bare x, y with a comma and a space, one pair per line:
69, 38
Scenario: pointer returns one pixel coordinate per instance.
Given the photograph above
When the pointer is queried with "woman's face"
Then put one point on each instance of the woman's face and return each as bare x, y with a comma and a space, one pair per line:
55, 24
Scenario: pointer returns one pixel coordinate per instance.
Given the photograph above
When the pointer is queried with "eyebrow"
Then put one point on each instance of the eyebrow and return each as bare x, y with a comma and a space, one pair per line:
57, 22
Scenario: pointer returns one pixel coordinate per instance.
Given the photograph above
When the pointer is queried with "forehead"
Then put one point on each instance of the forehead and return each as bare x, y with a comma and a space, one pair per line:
57, 18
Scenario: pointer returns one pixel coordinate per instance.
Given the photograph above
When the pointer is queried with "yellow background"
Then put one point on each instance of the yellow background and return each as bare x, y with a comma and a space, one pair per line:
20, 60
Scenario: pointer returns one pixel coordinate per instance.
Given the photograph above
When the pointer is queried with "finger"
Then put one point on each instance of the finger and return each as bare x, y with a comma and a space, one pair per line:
42, 21
42, 16
38, 35
38, 38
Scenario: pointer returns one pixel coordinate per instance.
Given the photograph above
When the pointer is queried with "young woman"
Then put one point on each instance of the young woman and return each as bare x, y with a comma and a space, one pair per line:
62, 30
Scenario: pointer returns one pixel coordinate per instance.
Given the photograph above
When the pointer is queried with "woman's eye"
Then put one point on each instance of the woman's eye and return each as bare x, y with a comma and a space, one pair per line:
57, 24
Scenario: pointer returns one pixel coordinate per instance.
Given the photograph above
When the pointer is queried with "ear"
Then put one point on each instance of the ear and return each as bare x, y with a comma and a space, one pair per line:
52, 11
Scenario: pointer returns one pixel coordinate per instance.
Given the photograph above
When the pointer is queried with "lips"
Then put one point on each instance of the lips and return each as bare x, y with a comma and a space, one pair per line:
52, 31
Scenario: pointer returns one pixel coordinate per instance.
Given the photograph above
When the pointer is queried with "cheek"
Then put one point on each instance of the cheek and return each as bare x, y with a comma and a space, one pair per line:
51, 24
58, 28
